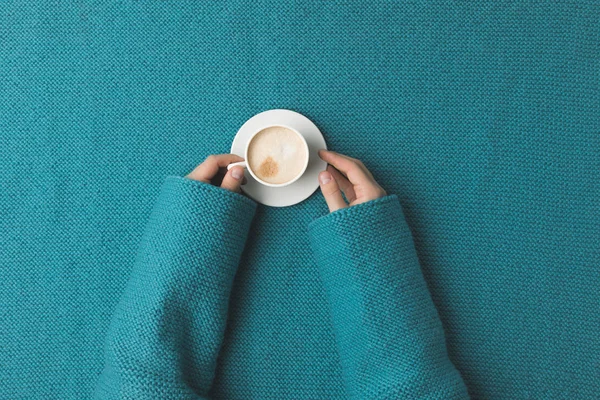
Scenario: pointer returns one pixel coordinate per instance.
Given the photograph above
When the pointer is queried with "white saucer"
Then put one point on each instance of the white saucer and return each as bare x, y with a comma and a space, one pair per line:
306, 185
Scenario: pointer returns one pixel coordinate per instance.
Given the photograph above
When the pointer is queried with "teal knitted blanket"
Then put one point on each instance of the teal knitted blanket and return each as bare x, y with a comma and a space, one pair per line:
477, 276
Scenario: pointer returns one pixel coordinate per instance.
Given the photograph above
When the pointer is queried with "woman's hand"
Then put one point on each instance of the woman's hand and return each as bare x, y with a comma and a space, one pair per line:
348, 175
213, 170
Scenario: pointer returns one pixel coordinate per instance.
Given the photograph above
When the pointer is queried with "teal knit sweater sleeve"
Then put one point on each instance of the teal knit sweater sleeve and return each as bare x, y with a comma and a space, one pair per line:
169, 323
388, 333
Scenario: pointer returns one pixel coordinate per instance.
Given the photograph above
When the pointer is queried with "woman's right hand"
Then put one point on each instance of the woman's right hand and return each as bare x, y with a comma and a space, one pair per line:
213, 170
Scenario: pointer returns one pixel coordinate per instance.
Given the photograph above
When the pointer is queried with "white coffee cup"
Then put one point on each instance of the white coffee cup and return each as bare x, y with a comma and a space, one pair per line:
246, 165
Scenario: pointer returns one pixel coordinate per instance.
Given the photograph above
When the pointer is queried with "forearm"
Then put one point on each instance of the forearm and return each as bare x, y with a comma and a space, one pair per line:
389, 336
167, 329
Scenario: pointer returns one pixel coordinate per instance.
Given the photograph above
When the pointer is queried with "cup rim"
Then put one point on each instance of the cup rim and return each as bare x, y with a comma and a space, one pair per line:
276, 184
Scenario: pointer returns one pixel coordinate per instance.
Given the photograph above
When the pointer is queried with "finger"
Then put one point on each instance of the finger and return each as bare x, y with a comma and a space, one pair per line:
343, 183
218, 179
349, 167
210, 166
357, 161
331, 191
233, 179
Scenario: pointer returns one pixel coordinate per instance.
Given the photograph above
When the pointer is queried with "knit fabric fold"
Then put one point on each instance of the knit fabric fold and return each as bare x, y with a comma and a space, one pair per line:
168, 327
388, 333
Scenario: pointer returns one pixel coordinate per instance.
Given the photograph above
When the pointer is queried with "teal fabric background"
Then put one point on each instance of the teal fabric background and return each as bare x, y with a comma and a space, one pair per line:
483, 117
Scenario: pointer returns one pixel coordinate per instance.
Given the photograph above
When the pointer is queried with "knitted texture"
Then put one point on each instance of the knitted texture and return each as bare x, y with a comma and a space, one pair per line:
481, 117
168, 327
389, 336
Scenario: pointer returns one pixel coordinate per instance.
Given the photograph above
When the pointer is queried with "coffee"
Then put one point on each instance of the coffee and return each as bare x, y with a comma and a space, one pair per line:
276, 154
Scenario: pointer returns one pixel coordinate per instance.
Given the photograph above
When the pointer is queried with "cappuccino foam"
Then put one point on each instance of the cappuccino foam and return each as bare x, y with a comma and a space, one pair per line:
276, 154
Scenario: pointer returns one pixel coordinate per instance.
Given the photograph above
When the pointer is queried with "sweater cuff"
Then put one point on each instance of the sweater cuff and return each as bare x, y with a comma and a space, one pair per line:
350, 233
180, 191
388, 333
358, 211
197, 220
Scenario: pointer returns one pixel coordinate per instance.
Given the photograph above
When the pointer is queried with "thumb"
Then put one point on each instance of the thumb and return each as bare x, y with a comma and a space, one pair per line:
233, 179
331, 191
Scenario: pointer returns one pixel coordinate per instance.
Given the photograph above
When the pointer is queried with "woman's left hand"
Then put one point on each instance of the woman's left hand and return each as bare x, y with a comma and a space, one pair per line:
350, 176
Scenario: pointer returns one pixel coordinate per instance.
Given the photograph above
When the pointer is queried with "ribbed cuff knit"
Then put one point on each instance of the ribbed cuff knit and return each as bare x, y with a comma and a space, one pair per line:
389, 336
168, 327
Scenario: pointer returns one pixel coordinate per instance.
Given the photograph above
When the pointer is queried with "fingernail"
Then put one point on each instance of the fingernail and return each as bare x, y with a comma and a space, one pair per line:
324, 177
237, 173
